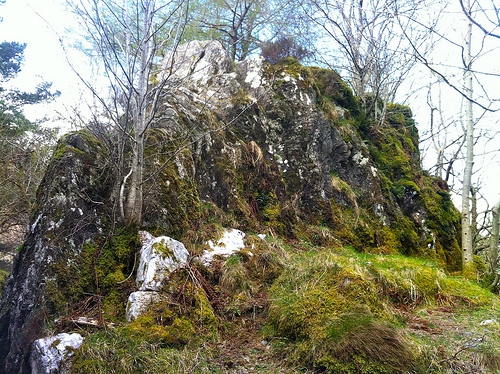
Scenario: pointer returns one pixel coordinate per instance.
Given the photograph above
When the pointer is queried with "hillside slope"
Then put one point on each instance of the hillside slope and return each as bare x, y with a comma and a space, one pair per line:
282, 150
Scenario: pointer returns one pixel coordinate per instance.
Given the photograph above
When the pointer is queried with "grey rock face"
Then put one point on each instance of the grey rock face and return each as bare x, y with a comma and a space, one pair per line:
71, 203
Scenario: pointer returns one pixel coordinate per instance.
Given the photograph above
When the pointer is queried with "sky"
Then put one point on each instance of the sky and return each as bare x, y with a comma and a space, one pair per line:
40, 24
487, 130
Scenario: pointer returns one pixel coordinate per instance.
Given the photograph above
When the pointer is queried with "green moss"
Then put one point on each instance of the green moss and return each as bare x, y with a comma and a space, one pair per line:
164, 328
71, 144
164, 249
401, 186
241, 98
468, 292
333, 308
172, 203
290, 66
444, 221
203, 312
335, 319
331, 88
401, 116
408, 241
480, 266
3, 278
97, 270
469, 271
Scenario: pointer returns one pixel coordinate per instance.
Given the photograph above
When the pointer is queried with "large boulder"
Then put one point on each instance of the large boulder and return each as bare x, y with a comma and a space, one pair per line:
71, 205
159, 257
52, 355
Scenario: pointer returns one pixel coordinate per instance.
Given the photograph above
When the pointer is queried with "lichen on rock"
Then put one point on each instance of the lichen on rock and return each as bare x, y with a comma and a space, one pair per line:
52, 355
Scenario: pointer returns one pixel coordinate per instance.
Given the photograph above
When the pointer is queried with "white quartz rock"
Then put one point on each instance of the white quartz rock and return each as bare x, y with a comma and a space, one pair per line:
50, 355
231, 242
139, 302
159, 257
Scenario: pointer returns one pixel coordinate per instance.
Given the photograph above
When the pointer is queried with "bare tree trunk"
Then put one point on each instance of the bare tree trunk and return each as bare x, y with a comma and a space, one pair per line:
473, 219
467, 255
133, 206
127, 35
133, 211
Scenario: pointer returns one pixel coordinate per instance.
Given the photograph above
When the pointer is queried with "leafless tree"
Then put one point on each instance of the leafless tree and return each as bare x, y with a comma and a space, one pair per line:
127, 37
243, 25
372, 47
463, 72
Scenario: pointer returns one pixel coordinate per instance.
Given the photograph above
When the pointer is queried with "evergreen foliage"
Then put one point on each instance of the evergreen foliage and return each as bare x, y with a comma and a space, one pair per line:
24, 147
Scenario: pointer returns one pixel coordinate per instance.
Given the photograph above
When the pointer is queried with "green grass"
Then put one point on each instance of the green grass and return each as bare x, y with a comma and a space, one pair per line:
332, 306
323, 309
114, 351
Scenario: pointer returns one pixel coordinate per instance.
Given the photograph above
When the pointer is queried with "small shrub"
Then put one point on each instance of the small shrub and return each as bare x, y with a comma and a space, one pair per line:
285, 46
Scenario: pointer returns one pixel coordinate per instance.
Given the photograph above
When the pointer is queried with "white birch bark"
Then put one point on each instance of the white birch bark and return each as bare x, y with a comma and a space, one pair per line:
467, 255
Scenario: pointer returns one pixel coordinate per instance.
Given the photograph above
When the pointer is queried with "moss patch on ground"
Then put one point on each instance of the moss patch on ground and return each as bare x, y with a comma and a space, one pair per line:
331, 310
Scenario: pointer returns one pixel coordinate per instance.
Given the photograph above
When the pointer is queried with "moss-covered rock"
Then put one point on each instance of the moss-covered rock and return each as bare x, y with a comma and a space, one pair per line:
72, 209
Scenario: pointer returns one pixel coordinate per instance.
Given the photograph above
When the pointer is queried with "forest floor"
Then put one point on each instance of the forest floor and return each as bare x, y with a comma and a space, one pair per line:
457, 339
244, 349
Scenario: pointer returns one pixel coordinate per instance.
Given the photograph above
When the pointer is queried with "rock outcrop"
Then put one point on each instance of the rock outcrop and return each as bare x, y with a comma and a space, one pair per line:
71, 205
279, 149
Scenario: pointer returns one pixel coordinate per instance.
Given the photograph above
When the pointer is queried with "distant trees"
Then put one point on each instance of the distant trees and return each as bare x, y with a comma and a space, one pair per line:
242, 26
486, 19
284, 46
24, 147
462, 71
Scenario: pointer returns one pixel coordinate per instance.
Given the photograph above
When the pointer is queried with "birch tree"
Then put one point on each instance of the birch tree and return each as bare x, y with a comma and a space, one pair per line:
468, 44
467, 254
128, 37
